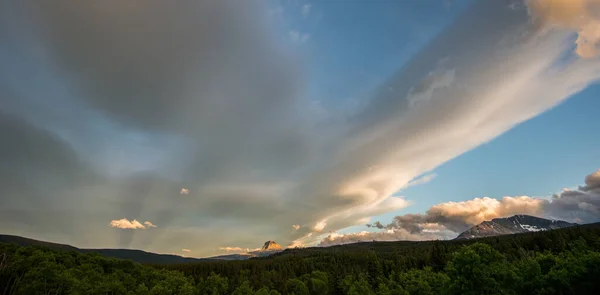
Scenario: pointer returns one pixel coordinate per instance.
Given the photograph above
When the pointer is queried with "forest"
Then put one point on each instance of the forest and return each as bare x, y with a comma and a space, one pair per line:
564, 261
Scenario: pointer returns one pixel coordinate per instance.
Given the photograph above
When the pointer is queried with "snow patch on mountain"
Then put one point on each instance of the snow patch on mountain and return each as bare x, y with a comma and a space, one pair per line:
512, 225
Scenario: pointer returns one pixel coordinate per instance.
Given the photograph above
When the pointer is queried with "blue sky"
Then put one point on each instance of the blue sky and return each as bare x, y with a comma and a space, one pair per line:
353, 47
291, 120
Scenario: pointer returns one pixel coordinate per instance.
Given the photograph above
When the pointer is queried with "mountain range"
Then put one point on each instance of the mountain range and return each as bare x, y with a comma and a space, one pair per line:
495, 227
512, 225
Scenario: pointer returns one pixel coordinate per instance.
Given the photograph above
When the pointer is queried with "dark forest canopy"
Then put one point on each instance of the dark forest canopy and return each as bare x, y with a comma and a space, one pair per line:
565, 261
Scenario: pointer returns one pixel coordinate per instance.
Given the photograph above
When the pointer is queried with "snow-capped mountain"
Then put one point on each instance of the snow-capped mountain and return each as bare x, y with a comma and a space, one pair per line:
512, 225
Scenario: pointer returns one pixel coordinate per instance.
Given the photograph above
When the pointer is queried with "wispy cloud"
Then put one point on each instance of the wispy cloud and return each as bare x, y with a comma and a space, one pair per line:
298, 37
149, 224
305, 11
422, 180
232, 249
186, 250
296, 226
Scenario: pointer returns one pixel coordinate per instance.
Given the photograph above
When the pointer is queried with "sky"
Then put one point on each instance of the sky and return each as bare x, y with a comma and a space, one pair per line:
208, 127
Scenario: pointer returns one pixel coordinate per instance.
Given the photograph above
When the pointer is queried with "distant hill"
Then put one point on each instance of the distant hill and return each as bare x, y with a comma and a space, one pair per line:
512, 225
269, 248
241, 256
135, 255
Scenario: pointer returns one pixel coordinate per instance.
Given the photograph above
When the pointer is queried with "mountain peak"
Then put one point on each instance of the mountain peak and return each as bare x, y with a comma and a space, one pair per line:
512, 225
271, 245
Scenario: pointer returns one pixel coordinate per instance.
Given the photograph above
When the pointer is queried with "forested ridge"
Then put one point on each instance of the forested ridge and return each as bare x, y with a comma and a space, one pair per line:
565, 261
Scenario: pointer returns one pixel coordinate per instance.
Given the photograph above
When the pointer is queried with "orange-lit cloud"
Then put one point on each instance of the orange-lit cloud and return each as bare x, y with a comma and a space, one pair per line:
134, 224
581, 16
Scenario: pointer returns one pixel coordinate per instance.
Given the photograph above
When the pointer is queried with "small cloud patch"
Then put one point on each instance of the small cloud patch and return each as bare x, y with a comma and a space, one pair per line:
320, 226
298, 37
133, 224
149, 224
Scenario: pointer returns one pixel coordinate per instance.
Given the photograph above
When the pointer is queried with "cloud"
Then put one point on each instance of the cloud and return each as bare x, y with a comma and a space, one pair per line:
581, 204
305, 10
127, 120
298, 37
490, 92
186, 250
592, 182
579, 15
446, 220
134, 224
296, 226
320, 226
149, 224
422, 180
458, 216
296, 244
387, 235
184, 191
232, 249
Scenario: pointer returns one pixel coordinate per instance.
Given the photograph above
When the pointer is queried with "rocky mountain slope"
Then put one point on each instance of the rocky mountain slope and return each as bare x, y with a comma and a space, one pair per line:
271, 246
512, 225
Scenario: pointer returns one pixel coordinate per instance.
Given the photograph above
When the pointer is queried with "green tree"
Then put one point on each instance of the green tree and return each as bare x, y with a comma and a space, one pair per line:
296, 286
244, 289
480, 269
422, 282
215, 285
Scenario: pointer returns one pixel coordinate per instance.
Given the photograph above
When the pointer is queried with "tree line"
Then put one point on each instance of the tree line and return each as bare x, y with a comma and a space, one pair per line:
565, 261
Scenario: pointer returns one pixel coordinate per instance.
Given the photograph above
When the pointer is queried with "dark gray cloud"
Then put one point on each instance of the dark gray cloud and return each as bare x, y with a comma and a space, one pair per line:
580, 205
159, 65
36, 165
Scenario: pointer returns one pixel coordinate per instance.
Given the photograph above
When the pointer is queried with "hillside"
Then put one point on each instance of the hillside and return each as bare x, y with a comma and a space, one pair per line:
135, 255
269, 248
